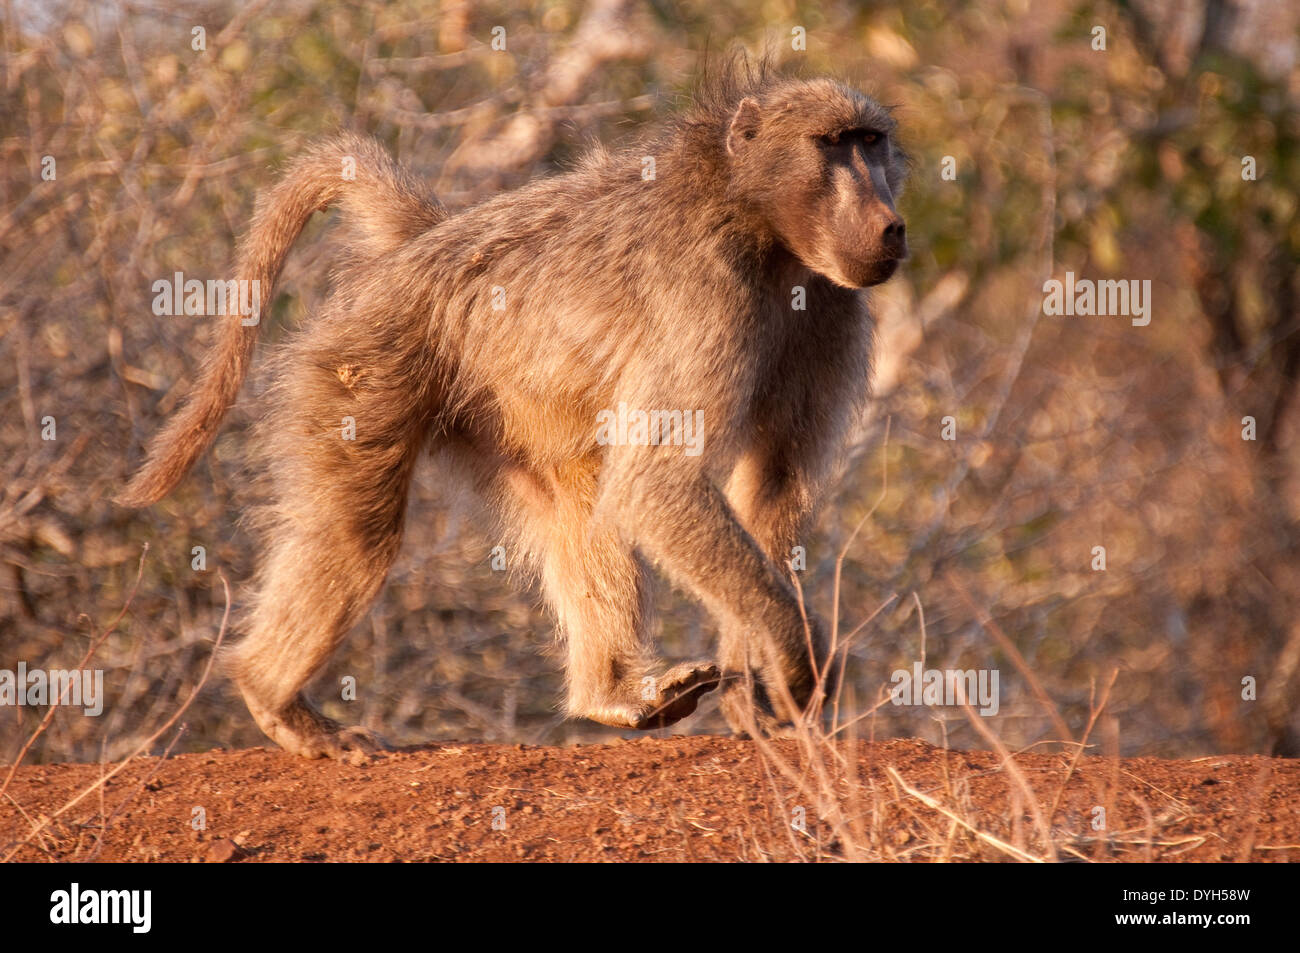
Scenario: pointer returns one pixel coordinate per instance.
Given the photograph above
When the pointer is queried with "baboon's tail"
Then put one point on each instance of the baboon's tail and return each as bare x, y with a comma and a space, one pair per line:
386, 204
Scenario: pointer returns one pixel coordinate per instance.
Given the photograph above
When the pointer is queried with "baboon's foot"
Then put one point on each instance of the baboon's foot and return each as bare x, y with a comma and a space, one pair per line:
300, 729
657, 701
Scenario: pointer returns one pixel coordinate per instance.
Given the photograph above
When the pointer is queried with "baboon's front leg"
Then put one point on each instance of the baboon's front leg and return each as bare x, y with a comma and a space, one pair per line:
681, 518
773, 501
599, 590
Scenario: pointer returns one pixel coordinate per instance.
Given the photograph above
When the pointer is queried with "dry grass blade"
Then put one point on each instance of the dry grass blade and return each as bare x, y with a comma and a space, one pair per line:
95, 643
1083, 742
98, 785
995, 842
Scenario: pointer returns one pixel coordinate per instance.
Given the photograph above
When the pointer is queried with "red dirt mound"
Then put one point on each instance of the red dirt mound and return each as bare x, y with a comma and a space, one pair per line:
679, 798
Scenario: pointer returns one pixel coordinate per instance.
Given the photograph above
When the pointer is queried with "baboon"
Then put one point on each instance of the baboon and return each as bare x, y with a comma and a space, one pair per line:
727, 285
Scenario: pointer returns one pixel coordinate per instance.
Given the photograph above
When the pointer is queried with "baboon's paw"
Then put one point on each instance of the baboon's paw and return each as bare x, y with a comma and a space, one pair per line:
767, 727
653, 702
357, 745
351, 745
676, 693
299, 729
749, 714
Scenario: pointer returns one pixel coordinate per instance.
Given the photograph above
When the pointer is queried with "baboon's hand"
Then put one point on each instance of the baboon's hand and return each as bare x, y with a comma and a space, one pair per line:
748, 712
678, 691
748, 708
656, 702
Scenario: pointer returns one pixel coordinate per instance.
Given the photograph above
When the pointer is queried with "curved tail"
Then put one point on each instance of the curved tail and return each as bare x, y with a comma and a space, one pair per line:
387, 206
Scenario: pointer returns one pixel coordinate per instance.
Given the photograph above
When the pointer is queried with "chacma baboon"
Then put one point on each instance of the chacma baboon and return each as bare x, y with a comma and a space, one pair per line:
727, 286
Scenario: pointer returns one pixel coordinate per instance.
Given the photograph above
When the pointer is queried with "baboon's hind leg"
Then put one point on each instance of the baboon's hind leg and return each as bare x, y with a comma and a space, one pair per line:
335, 530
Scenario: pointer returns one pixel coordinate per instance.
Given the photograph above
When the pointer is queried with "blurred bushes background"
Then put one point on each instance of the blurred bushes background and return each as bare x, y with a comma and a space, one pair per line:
1070, 432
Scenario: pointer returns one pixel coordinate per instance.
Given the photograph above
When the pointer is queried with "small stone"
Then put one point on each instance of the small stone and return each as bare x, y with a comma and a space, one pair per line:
223, 851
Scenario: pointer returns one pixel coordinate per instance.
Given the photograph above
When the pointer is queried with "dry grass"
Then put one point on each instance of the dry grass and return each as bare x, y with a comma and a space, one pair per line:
1069, 434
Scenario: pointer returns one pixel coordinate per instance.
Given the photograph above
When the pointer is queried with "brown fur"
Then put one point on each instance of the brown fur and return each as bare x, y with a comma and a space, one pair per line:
666, 294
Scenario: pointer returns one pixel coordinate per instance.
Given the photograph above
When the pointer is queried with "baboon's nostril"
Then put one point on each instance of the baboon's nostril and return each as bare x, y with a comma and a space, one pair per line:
893, 240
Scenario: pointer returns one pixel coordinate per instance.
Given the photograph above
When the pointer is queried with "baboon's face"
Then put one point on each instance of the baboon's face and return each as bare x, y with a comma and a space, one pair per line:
820, 166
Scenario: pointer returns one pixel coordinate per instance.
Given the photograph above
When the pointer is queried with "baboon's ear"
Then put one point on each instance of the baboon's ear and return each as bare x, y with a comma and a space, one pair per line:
744, 125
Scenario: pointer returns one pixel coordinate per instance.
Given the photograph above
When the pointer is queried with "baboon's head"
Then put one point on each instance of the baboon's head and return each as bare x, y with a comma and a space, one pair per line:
818, 163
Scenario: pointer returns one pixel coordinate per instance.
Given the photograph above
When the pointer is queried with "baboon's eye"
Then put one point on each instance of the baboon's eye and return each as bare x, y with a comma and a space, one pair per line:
867, 137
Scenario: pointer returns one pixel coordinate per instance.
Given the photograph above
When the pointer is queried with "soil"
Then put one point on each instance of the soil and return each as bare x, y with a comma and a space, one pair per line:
684, 798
